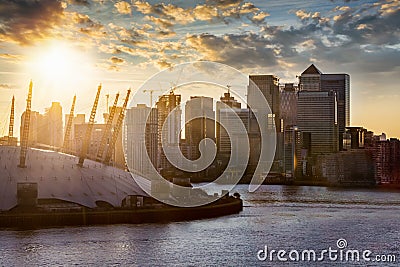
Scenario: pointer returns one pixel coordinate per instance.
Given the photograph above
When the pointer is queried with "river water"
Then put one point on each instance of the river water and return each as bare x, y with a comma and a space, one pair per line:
279, 217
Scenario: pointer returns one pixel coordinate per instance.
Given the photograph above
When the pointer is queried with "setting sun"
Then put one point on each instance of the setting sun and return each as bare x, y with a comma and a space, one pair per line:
62, 64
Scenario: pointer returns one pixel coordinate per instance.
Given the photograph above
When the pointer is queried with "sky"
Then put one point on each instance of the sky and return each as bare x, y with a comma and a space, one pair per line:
69, 47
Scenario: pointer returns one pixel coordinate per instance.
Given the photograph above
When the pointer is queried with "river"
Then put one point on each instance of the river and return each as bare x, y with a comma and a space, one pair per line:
279, 217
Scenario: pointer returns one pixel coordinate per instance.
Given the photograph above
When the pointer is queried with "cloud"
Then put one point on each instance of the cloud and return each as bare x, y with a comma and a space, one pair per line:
25, 21
123, 7
117, 60
79, 2
224, 3
212, 11
239, 50
5, 86
163, 64
163, 23
11, 57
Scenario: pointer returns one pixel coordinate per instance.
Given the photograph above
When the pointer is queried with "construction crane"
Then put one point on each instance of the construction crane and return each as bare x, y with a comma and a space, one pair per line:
151, 91
88, 134
11, 126
67, 136
25, 130
107, 130
117, 129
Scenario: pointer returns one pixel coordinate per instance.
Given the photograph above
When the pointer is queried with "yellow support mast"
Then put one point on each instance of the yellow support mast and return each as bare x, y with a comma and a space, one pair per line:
107, 130
67, 146
88, 134
11, 126
25, 130
117, 129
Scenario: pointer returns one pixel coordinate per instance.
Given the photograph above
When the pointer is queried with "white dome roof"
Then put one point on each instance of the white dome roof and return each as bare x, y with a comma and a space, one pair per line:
59, 177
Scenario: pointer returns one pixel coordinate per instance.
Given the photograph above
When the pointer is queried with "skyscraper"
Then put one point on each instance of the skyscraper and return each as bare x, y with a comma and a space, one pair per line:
171, 136
231, 102
53, 117
269, 86
312, 79
198, 128
288, 104
317, 115
141, 128
340, 83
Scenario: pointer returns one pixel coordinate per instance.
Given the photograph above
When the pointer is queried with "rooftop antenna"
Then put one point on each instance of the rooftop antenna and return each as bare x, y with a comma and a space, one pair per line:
229, 89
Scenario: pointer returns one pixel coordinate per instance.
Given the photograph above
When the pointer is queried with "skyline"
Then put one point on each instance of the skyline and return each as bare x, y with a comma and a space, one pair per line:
122, 43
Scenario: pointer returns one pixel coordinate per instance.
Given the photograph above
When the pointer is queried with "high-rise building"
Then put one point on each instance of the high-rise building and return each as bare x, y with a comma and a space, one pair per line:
200, 124
46, 130
317, 115
53, 116
35, 120
229, 101
288, 102
168, 135
236, 137
340, 83
142, 138
312, 79
269, 86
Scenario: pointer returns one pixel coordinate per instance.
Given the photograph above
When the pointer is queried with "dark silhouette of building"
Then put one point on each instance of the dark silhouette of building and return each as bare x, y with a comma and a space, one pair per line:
201, 127
317, 116
312, 79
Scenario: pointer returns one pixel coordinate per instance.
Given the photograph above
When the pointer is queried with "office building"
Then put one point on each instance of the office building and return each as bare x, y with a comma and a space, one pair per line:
317, 115
312, 79
141, 139
168, 135
202, 126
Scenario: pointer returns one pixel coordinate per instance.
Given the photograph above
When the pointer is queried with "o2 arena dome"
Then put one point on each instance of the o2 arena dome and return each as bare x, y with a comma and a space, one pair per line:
54, 176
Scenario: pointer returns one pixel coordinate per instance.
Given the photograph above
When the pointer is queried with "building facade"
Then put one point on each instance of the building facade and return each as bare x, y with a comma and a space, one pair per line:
168, 136
317, 115
198, 111
141, 125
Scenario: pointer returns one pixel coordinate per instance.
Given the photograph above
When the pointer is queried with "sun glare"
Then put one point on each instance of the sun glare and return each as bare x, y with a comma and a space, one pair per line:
60, 64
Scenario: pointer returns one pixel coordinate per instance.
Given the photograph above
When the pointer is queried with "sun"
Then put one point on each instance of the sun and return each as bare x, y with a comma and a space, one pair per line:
61, 64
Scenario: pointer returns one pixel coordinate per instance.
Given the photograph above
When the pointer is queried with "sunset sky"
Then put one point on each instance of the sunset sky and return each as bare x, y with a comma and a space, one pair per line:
68, 47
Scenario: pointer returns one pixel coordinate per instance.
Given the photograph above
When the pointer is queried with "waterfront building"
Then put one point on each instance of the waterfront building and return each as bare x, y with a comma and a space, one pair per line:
141, 138
202, 126
168, 136
317, 115
312, 79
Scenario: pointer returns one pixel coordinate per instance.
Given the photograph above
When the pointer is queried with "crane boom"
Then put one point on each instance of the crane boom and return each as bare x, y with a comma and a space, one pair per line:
117, 129
88, 134
67, 136
11, 126
25, 131
110, 119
